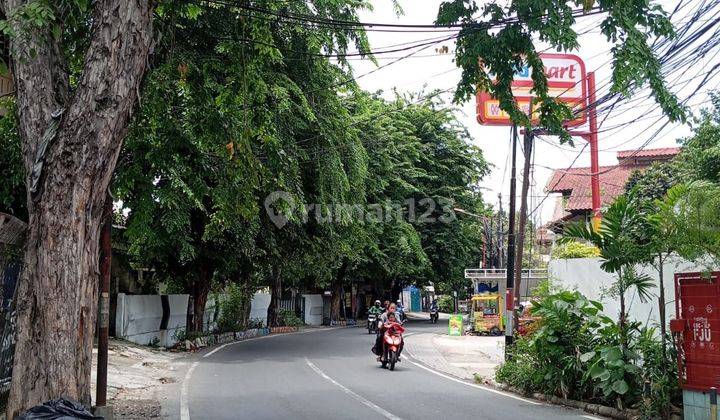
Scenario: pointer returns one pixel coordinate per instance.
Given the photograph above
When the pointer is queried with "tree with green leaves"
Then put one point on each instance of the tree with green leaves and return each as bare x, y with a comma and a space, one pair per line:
226, 123
617, 239
683, 222
496, 41
77, 68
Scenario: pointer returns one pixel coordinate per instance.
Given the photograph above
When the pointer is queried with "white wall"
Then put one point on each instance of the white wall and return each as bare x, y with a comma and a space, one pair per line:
259, 306
138, 318
586, 276
313, 309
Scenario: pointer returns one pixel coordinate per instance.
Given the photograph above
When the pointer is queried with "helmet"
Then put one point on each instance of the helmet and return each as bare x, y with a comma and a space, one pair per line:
377, 302
399, 301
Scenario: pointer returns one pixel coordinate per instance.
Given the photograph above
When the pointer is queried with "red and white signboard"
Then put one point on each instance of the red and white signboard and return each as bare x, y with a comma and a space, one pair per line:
567, 81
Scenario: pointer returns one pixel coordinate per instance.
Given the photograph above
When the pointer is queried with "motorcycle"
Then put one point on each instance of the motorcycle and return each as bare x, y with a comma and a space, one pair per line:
434, 313
392, 342
372, 325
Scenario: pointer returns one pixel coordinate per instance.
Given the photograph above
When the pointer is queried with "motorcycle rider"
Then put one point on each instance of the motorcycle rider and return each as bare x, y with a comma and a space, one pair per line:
400, 310
434, 308
376, 309
384, 318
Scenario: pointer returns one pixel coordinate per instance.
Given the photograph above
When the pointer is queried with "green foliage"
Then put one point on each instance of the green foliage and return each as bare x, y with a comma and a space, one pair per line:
698, 160
232, 309
288, 319
687, 221
489, 57
12, 182
577, 353
618, 239
575, 249
446, 303
544, 289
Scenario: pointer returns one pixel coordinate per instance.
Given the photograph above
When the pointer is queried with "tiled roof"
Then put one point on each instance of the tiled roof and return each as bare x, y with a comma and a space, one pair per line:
577, 182
648, 153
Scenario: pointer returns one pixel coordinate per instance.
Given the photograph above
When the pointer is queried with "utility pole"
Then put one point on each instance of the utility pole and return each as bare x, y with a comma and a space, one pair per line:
499, 237
509, 283
104, 315
527, 153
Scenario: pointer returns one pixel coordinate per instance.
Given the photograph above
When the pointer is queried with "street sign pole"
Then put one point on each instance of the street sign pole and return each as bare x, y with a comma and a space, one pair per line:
509, 283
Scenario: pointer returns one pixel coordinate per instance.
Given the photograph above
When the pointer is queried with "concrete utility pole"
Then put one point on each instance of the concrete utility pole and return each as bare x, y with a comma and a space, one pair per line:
509, 284
499, 237
527, 153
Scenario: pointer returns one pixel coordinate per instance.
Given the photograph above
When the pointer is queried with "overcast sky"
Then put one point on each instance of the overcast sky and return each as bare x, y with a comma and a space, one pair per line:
429, 70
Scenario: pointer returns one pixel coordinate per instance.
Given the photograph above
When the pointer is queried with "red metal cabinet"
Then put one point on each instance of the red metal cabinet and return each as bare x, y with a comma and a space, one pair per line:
697, 329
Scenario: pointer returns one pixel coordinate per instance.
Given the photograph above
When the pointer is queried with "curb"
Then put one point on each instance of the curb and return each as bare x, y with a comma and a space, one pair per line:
591, 408
229, 337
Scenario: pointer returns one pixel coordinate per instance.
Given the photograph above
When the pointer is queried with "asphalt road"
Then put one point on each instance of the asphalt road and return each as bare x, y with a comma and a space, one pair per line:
331, 374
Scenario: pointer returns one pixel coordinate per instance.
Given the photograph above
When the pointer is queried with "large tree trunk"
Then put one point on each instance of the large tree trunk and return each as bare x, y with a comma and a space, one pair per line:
336, 288
275, 295
70, 146
200, 290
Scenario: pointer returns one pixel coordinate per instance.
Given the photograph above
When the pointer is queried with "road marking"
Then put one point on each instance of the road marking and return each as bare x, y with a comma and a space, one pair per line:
184, 405
484, 388
356, 396
184, 408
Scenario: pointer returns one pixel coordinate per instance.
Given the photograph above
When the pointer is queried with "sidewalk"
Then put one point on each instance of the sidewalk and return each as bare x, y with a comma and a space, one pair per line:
462, 357
138, 379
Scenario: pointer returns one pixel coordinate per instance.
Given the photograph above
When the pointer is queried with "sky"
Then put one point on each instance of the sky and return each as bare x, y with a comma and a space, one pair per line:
628, 127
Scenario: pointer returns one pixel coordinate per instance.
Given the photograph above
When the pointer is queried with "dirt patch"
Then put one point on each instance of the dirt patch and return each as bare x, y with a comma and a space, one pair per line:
137, 377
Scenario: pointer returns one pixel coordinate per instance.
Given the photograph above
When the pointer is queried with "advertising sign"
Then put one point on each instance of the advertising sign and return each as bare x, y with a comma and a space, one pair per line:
697, 329
455, 325
566, 81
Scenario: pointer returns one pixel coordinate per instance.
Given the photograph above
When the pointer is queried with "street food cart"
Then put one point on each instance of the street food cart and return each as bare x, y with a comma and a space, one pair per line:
486, 314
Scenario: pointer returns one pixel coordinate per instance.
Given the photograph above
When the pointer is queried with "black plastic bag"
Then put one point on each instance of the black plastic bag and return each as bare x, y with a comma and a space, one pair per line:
58, 409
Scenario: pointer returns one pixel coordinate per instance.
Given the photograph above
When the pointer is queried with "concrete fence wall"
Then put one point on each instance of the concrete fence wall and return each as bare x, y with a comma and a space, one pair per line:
586, 276
313, 309
139, 318
259, 306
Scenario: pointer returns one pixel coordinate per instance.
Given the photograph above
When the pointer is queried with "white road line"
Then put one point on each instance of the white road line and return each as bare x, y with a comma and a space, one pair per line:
484, 388
356, 396
184, 408
184, 405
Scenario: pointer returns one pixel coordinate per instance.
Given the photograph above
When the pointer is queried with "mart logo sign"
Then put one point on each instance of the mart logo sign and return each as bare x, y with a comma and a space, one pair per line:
566, 81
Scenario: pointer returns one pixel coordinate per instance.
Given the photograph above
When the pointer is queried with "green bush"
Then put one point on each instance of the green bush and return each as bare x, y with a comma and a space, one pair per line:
576, 353
574, 249
288, 319
232, 309
446, 303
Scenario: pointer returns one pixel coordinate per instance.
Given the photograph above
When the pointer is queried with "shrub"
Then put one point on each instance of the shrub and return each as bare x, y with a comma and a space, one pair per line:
446, 303
574, 249
288, 319
232, 312
576, 352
